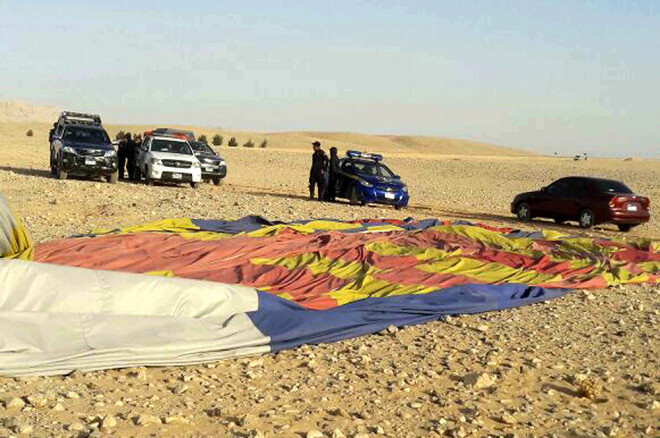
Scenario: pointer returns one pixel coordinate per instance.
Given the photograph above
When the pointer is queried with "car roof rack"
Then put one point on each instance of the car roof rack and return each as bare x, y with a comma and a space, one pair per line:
73, 118
365, 155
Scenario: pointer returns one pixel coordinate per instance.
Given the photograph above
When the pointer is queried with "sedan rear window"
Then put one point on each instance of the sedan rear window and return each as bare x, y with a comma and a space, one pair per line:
171, 146
607, 186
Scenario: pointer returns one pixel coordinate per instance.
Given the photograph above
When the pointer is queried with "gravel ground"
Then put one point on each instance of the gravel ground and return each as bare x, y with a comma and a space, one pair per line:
585, 365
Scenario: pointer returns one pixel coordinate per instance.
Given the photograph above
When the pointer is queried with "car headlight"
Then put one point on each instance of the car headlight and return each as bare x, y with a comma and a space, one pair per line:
110, 154
196, 165
69, 149
156, 162
222, 163
365, 183
404, 189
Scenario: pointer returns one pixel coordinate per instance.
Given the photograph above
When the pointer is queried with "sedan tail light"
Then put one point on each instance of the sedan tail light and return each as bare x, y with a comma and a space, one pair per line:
646, 202
617, 201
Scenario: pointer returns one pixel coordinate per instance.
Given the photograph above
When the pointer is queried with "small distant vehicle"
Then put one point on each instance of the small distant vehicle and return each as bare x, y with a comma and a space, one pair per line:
214, 168
366, 180
589, 201
80, 146
577, 157
167, 157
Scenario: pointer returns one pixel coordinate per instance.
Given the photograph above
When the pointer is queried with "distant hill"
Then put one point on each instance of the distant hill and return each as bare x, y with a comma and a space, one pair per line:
344, 141
18, 111
22, 113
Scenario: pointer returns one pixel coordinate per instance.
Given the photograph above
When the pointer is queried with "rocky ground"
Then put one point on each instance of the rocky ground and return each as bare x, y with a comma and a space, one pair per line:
585, 365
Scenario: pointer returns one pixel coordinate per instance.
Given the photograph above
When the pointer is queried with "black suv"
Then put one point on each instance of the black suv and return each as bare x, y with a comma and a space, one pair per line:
80, 146
214, 167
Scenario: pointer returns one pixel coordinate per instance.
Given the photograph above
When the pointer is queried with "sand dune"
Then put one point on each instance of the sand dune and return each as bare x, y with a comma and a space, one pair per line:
40, 118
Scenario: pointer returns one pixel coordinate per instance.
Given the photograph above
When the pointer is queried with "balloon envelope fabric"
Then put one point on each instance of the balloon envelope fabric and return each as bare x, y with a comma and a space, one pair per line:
323, 264
220, 289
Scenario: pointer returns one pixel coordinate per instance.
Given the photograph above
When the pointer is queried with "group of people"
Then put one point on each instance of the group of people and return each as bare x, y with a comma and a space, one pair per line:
324, 173
126, 156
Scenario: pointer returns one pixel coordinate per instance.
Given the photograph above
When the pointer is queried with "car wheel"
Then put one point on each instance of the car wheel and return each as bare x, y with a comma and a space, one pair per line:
624, 227
194, 185
586, 218
112, 178
53, 165
560, 220
218, 181
398, 207
61, 173
524, 212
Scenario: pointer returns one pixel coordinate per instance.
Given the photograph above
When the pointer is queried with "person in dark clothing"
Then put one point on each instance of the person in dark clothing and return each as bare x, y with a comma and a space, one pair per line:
335, 173
316, 177
130, 158
126, 150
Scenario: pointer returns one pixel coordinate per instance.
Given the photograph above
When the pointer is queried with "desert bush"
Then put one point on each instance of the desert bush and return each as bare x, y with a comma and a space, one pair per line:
248, 144
232, 142
29, 133
202, 138
263, 143
217, 140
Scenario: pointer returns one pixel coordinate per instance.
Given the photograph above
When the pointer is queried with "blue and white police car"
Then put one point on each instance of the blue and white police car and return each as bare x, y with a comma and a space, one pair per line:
366, 180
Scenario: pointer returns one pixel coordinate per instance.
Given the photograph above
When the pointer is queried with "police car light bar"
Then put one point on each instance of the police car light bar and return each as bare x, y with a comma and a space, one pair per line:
176, 135
368, 156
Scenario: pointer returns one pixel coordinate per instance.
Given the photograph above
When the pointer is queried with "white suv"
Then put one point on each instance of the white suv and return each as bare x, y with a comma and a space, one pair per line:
168, 158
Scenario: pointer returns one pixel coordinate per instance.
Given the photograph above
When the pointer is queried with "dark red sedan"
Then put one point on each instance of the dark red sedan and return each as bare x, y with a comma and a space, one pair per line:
589, 201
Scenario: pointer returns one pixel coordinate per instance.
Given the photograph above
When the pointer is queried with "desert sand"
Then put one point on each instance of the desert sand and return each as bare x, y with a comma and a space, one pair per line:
532, 364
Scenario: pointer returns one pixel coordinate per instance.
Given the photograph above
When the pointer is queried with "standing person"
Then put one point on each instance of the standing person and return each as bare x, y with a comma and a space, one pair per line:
319, 164
131, 145
123, 154
334, 174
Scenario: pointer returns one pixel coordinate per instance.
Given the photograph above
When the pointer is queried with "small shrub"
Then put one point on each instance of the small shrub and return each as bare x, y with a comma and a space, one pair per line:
202, 138
232, 142
29, 133
263, 143
120, 135
248, 144
217, 140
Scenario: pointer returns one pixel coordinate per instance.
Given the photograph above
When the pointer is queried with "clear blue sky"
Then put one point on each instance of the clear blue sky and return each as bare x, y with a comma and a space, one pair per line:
567, 76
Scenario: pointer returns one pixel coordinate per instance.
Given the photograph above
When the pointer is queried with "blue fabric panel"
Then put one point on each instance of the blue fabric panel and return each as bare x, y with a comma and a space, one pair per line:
245, 224
289, 325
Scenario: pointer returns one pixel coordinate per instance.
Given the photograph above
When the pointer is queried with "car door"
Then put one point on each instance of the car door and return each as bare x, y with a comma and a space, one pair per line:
344, 181
575, 198
57, 141
551, 203
142, 154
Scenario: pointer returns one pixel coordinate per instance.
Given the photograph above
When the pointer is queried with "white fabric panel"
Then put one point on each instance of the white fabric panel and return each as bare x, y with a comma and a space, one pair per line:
54, 319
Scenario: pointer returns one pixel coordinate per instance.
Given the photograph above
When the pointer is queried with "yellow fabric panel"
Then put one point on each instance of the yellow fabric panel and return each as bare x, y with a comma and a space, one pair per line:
488, 237
650, 267
318, 265
174, 225
369, 287
391, 249
166, 273
486, 272
15, 242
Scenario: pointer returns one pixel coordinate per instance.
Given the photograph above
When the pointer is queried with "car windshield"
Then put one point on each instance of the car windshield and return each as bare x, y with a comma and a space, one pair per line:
372, 168
608, 186
199, 146
170, 146
86, 135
